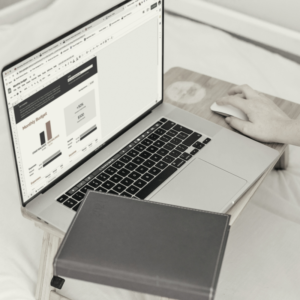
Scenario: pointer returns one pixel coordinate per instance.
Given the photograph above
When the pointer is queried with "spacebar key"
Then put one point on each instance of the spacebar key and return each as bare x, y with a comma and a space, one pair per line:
156, 182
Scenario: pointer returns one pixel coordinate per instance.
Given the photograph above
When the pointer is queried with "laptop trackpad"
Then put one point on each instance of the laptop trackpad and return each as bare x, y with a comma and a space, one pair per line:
202, 186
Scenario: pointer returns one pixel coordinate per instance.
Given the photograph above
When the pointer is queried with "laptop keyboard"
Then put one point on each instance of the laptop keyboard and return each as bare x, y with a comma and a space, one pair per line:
141, 166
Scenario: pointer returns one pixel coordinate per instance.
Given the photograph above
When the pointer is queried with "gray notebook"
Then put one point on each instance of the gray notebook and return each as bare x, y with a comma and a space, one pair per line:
144, 246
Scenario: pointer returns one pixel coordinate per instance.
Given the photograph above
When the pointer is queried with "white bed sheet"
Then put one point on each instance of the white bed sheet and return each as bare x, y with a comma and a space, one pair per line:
16, 10
262, 256
215, 53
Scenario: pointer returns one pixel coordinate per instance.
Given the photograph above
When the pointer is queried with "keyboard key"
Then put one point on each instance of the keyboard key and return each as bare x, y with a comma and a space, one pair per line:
134, 175
78, 196
172, 133
156, 182
178, 163
169, 146
123, 172
140, 183
153, 137
85, 188
168, 125
88, 178
94, 183
175, 153
126, 195
154, 171
133, 153
160, 131
127, 181
110, 171
62, 198
108, 185
149, 163
146, 142
206, 141
185, 156
156, 125
140, 148
75, 208
192, 139
142, 169
162, 165
152, 149
183, 129
119, 188
125, 159
159, 144
156, 157
198, 145
102, 177
70, 203
130, 146
131, 166
101, 189
142, 136
116, 178
96, 172
163, 120
165, 138
182, 135
112, 192
132, 190
194, 151
118, 165
162, 152
168, 159
81, 184
175, 141
72, 190
147, 177
145, 154
181, 148
138, 160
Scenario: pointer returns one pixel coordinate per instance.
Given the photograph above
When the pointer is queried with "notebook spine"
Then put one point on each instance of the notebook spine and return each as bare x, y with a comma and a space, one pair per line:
70, 270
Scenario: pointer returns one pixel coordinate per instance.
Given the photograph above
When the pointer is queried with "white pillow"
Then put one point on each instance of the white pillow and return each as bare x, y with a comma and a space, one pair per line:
21, 9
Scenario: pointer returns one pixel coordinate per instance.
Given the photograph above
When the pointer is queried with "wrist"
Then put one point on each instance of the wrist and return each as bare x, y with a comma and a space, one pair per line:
291, 132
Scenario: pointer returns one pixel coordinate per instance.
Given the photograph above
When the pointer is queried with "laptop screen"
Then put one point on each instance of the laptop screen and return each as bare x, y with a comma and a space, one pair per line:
68, 98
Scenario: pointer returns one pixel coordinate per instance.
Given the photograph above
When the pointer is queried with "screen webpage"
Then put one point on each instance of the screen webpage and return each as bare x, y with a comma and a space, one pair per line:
70, 98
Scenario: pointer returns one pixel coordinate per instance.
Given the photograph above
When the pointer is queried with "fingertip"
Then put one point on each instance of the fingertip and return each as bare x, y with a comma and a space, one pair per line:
228, 119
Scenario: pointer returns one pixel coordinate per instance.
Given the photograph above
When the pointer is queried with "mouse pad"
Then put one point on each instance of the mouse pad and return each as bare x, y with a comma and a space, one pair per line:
201, 186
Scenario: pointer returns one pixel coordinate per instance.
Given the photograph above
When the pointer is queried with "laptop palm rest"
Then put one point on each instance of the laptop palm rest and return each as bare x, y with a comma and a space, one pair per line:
201, 186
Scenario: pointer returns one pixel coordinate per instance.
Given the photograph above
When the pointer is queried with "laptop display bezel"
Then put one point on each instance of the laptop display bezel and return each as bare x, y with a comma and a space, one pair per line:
135, 121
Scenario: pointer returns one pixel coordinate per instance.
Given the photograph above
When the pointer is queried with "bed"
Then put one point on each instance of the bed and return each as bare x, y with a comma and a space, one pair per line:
262, 255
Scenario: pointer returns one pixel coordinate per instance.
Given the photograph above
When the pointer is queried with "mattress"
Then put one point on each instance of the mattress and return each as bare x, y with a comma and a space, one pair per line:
262, 257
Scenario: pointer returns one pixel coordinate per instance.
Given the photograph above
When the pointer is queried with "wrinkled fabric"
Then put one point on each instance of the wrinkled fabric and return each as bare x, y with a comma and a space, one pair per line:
261, 260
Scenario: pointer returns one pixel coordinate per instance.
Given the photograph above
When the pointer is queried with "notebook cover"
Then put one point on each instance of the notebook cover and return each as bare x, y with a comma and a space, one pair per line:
144, 246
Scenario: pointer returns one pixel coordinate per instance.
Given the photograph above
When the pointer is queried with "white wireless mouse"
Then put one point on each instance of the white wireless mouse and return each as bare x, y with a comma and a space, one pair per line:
228, 111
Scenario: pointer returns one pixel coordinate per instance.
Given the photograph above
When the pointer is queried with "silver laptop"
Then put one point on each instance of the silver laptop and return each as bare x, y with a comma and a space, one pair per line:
86, 112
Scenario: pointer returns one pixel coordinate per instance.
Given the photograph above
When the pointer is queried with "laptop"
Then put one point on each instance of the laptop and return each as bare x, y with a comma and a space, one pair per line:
86, 112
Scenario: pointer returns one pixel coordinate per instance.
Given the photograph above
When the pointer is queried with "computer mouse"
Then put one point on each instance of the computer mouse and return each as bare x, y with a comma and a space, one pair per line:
228, 111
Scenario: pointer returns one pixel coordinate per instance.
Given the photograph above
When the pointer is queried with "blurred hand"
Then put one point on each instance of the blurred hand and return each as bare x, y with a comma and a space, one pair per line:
267, 122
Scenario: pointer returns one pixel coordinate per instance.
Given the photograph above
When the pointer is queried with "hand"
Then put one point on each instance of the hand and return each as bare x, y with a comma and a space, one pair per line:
267, 122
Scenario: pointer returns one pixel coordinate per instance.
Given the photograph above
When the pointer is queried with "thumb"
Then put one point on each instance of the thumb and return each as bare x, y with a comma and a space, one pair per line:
238, 124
